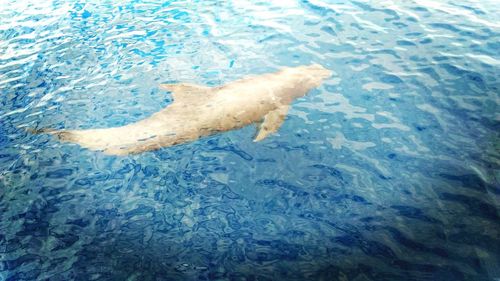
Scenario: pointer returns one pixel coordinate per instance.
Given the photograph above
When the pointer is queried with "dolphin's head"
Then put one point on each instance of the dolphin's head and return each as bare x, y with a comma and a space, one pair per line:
317, 71
310, 76
300, 79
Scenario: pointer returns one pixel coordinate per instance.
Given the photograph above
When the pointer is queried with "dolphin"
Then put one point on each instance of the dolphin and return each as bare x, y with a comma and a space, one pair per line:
199, 111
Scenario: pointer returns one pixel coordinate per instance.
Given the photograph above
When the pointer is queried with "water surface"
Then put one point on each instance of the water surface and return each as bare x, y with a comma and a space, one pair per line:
388, 171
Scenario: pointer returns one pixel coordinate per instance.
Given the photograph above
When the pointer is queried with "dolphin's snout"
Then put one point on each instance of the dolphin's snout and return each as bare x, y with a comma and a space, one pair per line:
319, 71
325, 73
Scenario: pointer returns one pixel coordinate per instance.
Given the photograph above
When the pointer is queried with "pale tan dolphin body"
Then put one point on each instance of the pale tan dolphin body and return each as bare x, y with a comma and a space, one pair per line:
199, 111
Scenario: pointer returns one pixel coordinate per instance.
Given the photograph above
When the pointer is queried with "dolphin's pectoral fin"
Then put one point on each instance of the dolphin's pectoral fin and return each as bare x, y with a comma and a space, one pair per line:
272, 122
184, 89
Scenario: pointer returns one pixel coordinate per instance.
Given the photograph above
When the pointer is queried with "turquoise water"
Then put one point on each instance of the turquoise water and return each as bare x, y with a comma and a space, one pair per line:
388, 171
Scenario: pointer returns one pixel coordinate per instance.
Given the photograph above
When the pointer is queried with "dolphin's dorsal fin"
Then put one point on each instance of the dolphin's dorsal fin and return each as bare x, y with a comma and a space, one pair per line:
179, 91
272, 122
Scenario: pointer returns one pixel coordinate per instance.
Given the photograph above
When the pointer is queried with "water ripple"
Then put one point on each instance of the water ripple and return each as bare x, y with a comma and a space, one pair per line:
389, 171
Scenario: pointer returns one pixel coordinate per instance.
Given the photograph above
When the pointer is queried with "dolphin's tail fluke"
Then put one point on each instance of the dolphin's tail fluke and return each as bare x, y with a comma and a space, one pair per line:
94, 139
39, 131
63, 135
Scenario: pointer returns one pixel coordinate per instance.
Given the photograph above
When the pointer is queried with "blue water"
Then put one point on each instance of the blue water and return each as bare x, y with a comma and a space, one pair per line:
388, 171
